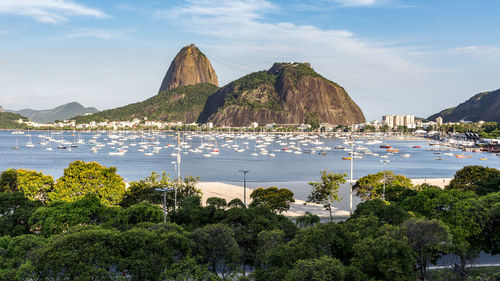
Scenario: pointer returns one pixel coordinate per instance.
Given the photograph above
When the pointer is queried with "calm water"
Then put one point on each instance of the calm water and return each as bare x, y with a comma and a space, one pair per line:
285, 170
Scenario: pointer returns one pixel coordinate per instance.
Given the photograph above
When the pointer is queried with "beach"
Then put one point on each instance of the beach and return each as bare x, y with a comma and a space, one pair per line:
299, 208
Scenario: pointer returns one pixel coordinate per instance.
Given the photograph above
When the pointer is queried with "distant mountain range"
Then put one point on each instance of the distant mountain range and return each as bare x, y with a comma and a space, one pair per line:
287, 93
483, 106
62, 112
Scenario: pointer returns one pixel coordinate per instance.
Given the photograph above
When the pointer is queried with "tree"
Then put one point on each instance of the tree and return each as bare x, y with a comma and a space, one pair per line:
428, 238
476, 177
321, 269
277, 199
390, 213
15, 211
34, 185
144, 190
371, 186
326, 191
384, 258
82, 178
60, 216
15, 253
215, 245
83, 254
146, 252
236, 203
307, 220
217, 203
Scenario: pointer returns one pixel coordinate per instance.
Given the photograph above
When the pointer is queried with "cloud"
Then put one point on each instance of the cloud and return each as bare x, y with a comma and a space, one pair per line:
106, 34
245, 32
359, 3
48, 11
480, 51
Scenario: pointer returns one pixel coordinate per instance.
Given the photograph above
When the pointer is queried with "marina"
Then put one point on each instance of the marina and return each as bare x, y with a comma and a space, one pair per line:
272, 158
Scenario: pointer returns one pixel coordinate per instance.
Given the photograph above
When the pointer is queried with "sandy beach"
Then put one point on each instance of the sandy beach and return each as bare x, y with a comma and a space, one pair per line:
231, 191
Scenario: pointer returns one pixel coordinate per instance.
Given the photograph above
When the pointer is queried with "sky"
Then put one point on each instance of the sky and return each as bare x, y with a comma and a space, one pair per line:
392, 56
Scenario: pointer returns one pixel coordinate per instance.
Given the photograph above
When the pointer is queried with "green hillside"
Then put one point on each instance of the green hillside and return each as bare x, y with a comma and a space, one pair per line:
62, 112
8, 120
178, 104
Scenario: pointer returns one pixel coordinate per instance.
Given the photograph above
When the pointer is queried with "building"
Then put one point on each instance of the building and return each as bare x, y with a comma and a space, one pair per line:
439, 121
393, 121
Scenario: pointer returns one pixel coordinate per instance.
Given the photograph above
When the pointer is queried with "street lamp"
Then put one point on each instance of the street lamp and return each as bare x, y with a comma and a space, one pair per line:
176, 163
384, 161
164, 201
352, 165
244, 185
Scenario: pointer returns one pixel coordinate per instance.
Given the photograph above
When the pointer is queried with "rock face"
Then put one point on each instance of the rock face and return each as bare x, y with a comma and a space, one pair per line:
189, 67
1, 109
288, 93
483, 106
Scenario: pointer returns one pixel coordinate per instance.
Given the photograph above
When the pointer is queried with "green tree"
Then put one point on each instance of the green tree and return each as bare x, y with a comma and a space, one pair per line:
217, 203
371, 186
188, 269
144, 190
15, 211
307, 220
14, 255
387, 212
34, 185
236, 203
471, 177
428, 238
60, 216
326, 191
83, 254
82, 178
490, 236
277, 199
384, 258
321, 269
215, 245
145, 253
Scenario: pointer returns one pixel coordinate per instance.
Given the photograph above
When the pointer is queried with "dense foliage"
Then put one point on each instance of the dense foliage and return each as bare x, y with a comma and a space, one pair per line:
8, 120
393, 239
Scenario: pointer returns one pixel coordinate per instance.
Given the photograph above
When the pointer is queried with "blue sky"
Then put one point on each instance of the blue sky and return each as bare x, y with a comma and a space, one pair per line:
392, 56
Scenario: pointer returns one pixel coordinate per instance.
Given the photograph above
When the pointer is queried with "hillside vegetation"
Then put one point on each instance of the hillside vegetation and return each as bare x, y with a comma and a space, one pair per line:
179, 104
8, 120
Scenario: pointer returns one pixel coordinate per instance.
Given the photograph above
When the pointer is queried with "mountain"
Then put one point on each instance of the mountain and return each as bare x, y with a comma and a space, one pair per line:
62, 112
189, 67
1, 109
287, 93
8, 120
179, 104
483, 106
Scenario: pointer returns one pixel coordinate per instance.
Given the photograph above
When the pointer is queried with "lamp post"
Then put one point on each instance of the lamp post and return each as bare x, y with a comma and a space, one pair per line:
384, 161
164, 201
244, 185
175, 195
352, 166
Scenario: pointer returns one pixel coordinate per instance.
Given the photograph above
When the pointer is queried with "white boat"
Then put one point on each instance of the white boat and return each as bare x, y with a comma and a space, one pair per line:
116, 153
406, 155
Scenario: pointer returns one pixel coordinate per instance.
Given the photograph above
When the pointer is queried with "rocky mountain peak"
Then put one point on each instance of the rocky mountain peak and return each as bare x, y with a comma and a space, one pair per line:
189, 67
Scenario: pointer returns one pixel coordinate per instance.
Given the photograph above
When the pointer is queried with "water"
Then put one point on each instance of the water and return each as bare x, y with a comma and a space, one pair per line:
285, 170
